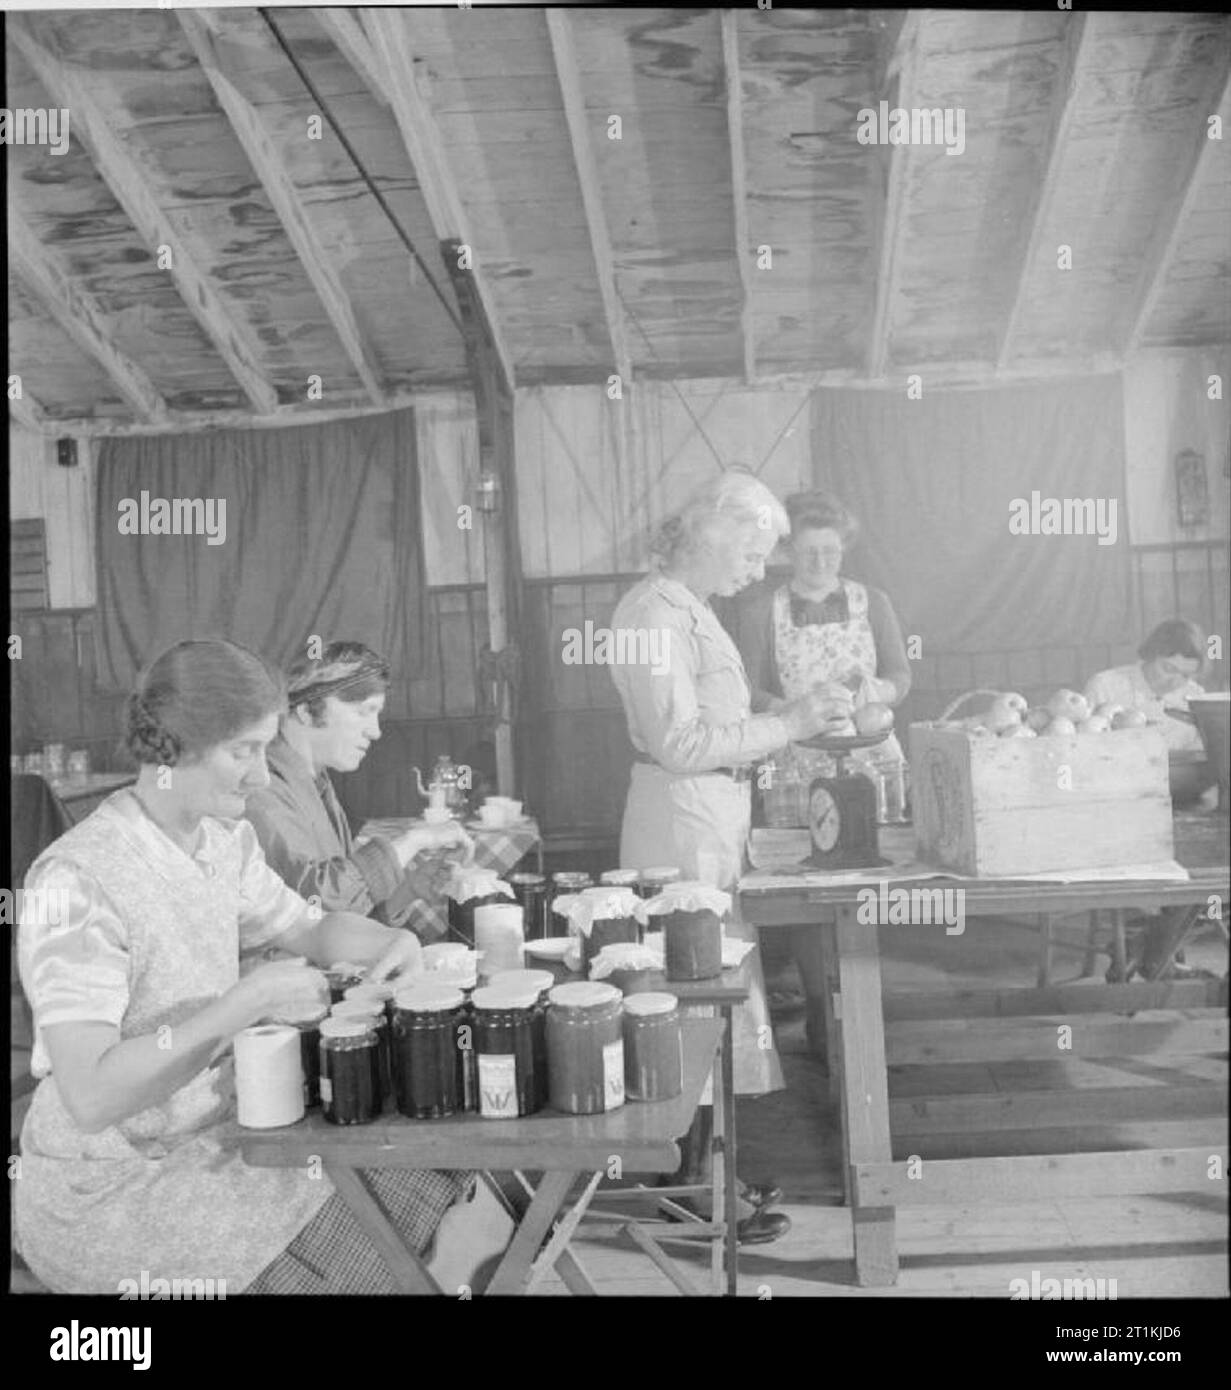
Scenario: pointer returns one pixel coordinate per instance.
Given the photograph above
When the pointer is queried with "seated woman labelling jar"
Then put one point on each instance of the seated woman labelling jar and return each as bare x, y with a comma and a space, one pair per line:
130, 1154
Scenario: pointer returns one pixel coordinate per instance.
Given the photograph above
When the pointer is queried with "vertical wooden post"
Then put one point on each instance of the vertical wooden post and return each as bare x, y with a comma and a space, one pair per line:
493, 395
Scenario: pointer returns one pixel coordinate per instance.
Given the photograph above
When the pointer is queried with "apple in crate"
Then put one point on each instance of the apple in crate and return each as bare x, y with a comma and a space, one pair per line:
1006, 711
1037, 719
1129, 719
1108, 711
1096, 724
1061, 726
1018, 731
1068, 704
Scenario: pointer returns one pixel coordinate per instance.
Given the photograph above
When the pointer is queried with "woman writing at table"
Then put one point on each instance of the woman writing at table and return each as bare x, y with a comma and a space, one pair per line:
816, 630
695, 738
335, 703
130, 1159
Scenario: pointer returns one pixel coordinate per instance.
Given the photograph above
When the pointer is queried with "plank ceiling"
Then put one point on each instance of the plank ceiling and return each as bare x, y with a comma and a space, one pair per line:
190, 131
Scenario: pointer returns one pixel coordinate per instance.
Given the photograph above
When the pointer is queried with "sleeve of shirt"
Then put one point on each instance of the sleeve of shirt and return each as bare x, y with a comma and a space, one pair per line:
73, 949
343, 883
663, 709
891, 660
268, 907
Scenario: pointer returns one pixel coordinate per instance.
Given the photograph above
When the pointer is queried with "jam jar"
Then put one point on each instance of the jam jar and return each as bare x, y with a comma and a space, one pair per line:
307, 1021
692, 944
565, 882
540, 982
653, 1047
530, 890
373, 1011
504, 1047
349, 1071
461, 915
428, 1070
607, 931
585, 1048
653, 881
619, 878
381, 994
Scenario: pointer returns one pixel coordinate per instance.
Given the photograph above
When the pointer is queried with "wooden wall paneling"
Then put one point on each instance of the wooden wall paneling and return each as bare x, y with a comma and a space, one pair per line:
457, 654
448, 448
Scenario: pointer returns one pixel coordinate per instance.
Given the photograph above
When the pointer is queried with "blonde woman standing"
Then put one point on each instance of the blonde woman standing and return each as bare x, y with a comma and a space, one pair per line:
695, 740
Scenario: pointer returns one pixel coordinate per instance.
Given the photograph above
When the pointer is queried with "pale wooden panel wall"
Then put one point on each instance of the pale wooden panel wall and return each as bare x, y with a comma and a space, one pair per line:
1167, 409
64, 498
597, 475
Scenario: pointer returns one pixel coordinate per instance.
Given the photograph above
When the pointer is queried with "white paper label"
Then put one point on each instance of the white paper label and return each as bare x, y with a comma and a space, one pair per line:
326, 1090
613, 1075
497, 1086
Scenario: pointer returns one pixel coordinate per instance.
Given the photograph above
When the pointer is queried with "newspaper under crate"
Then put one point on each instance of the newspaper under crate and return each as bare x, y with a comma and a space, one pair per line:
993, 806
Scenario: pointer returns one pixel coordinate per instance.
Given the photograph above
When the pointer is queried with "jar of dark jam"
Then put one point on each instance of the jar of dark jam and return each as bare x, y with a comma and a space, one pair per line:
428, 1068
307, 1021
653, 1047
461, 915
619, 878
653, 881
539, 983
530, 890
692, 944
504, 1047
564, 883
341, 978
373, 1012
585, 1048
350, 1093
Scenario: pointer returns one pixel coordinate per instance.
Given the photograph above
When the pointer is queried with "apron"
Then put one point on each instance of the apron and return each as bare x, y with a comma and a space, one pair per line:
166, 1190
816, 652
700, 823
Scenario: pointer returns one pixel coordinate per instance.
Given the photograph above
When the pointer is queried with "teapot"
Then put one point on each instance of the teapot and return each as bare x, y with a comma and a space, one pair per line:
444, 793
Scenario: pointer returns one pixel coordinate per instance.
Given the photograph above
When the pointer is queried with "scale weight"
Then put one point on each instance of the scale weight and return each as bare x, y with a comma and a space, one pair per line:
842, 810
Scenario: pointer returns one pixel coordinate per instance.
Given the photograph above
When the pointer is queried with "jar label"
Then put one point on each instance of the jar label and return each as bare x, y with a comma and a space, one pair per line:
497, 1085
326, 1089
613, 1074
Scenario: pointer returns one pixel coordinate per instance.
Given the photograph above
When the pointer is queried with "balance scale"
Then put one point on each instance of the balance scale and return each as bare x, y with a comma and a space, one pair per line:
842, 808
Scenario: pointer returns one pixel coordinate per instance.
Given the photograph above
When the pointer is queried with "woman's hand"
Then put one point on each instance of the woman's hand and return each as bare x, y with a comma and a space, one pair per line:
404, 953
447, 835
818, 713
278, 986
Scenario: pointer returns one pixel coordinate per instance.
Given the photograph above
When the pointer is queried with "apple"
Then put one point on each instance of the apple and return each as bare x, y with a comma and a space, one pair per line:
1062, 726
1096, 724
1108, 710
873, 718
1037, 719
1018, 731
1070, 705
1129, 719
1006, 710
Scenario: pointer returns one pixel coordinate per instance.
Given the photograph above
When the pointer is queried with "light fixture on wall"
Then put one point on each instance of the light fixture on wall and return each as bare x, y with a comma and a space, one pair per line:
1192, 490
487, 492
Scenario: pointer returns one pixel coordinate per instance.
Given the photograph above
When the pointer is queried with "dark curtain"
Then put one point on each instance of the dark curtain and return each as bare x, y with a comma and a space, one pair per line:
323, 536
931, 480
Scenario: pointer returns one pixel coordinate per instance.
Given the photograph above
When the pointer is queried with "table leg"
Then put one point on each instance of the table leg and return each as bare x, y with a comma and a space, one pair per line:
865, 1089
725, 1201
1046, 923
556, 1250
514, 1269
408, 1270
831, 1007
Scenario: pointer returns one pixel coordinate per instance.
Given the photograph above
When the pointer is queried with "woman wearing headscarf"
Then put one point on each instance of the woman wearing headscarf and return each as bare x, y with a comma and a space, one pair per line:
695, 740
335, 701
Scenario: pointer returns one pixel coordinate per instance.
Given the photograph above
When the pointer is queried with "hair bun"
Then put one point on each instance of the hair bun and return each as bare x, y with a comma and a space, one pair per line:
146, 737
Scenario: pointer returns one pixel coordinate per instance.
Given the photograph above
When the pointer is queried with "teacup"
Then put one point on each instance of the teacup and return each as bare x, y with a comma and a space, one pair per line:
492, 813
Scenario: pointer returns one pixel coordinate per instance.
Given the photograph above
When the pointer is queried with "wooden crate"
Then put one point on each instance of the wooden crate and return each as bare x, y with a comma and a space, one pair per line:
992, 806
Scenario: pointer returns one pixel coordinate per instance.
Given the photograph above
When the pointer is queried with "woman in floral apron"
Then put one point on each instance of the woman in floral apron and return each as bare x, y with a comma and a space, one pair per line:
820, 630
695, 740
130, 1161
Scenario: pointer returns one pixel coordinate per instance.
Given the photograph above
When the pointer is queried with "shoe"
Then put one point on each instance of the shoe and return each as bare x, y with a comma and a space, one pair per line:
762, 1228
760, 1194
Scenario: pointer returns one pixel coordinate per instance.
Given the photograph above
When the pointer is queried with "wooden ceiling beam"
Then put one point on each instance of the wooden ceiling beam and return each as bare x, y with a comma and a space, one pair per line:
271, 170
564, 54
81, 316
349, 39
1168, 229
389, 61
900, 62
739, 186
127, 182
27, 412
1077, 47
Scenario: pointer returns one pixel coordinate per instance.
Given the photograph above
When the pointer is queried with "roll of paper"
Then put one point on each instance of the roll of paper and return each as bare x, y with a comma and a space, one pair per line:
269, 1079
499, 937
